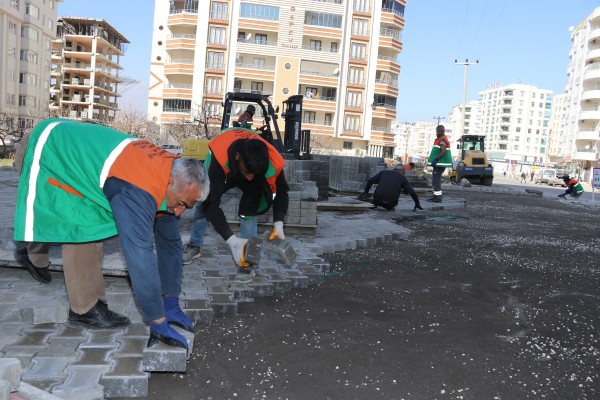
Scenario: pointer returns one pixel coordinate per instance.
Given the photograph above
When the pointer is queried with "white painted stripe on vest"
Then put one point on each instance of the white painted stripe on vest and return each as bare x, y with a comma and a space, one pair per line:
111, 159
33, 176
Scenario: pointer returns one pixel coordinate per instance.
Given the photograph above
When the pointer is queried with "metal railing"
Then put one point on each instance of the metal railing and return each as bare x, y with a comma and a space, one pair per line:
182, 36
183, 11
384, 105
219, 15
214, 65
382, 129
318, 73
179, 61
254, 66
392, 11
360, 32
260, 42
320, 48
257, 16
316, 122
392, 83
177, 86
177, 110
391, 33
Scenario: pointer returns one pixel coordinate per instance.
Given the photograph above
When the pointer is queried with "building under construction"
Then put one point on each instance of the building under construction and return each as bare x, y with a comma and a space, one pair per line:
85, 75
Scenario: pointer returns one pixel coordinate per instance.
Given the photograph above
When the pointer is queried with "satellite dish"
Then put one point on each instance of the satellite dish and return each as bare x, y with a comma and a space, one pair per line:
248, 36
238, 109
571, 28
336, 71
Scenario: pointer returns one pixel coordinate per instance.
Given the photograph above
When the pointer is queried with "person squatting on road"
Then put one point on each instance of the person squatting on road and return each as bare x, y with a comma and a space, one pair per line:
239, 158
574, 188
390, 184
83, 183
440, 158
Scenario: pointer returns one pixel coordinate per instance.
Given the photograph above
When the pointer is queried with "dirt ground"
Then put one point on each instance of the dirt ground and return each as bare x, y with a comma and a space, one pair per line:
498, 300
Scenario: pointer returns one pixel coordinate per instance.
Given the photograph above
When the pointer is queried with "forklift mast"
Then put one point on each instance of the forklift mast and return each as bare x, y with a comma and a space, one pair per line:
296, 140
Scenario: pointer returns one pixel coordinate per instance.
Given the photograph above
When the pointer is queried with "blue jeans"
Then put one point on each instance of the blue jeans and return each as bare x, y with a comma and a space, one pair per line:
248, 227
152, 277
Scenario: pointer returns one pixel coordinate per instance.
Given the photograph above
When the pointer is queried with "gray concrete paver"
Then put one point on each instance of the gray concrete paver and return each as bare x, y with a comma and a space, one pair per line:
86, 364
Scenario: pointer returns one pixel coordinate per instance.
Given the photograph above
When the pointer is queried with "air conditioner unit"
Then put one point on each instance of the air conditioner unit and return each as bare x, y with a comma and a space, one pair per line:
75, 81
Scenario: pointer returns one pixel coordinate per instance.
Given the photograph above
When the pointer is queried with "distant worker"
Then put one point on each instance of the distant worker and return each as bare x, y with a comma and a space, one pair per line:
245, 120
440, 158
532, 175
523, 177
574, 188
409, 166
389, 185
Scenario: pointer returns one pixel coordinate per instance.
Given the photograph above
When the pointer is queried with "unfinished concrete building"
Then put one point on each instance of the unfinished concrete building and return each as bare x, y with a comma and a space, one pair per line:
85, 69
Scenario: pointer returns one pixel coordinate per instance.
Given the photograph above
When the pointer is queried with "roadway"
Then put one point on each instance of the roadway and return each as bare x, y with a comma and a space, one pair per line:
549, 191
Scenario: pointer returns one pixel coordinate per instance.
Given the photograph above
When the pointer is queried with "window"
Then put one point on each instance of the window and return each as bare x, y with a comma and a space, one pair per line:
177, 105
51, 3
347, 145
257, 11
29, 33
314, 45
360, 27
260, 38
10, 98
356, 75
216, 35
32, 10
237, 85
256, 87
25, 123
334, 47
354, 99
213, 109
28, 78
358, 51
12, 27
352, 123
215, 60
323, 19
258, 63
309, 117
30, 56
50, 24
310, 92
27, 101
327, 120
11, 53
213, 85
218, 10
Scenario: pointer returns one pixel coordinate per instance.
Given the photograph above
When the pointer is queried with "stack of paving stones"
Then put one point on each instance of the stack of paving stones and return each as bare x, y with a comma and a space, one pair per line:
349, 174
72, 362
314, 170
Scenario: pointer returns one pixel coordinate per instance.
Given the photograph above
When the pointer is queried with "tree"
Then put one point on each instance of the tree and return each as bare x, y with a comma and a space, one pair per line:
204, 121
135, 123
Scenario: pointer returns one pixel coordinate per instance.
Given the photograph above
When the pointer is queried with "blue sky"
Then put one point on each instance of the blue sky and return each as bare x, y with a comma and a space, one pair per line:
514, 40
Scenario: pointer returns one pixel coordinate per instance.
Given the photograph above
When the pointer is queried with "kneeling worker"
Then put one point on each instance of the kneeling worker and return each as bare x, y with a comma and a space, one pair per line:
574, 188
389, 185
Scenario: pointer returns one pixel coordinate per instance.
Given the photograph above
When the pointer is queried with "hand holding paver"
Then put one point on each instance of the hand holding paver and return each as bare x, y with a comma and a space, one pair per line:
277, 231
236, 246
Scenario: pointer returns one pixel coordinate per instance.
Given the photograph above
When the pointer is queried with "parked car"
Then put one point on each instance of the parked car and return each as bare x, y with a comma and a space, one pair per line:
548, 176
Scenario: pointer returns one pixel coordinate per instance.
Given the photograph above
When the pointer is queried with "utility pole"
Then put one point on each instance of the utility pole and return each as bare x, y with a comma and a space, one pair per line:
438, 119
466, 64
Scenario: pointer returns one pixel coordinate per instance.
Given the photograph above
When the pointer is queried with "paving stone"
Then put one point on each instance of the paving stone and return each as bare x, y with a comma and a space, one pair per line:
10, 372
314, 275
35, 338
47, 368
131, 346
62, 347
298, 280
223, 304
200, 310
135, 330
37, 392
162, 357
82, 383
102, 338
280, 283
5, 389
94, 356
278, 249
242, 293
126, 378
43, 312
262, 287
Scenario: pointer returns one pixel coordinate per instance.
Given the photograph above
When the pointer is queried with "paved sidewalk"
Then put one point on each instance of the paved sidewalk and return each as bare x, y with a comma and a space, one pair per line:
78, 363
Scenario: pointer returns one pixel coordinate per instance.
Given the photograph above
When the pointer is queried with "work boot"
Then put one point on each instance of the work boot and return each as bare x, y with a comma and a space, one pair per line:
39, 274
164, 333
435, 199
245, 275
99, 316
190, 252
176, 316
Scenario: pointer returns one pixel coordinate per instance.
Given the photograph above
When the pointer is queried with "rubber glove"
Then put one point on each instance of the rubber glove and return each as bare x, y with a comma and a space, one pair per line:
277, 231
418, 206
237, 246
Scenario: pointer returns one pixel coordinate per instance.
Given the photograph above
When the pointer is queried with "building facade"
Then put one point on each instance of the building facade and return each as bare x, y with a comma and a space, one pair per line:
516, 122
582, 123
340, 54
414, 140
85, 69
27, 29
560, 148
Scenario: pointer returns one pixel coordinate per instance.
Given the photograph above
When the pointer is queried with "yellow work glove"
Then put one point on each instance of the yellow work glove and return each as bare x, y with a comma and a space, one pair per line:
277, 231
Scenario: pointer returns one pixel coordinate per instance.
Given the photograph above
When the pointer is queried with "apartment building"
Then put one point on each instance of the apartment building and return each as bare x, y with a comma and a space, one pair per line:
559, 147
27, 29
340, 54
414, 140
516, 122
470, 126
582, 125
85, 69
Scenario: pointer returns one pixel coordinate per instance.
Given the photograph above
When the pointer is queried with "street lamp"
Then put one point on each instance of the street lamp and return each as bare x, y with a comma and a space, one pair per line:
466, 64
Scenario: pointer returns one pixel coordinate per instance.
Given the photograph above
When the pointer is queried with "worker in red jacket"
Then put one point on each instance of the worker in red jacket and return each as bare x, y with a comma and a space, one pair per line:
574, 188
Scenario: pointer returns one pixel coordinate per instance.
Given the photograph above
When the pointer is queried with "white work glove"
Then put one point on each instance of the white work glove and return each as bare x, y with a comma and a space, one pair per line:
277, 231
236, 246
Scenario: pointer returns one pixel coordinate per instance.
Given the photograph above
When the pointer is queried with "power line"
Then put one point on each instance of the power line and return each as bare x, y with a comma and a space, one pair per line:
438, 119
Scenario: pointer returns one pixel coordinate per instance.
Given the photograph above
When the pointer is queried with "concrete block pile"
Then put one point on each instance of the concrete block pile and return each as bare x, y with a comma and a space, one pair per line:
349, 174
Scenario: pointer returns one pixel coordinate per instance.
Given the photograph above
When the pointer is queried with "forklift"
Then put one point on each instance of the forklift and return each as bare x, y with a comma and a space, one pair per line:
295, 141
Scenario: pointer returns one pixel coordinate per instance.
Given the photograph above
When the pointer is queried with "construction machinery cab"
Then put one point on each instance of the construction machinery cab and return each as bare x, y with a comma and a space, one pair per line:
472, 164
294, 140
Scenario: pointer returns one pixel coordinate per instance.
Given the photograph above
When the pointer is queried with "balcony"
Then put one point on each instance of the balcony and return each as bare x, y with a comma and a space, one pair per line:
179, 66
213, 93
183, 17
393, 17
592, 72
357, 59
356, 83
383, 110
218, 18
214, 67
313, 47
593, 114
352, 131
361, 34
256, 66
178, 90
588, 135
590, 94
181, 41
262, 92
390, 38
388, 63
594, 53
594, 34
586, 154
216, 43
